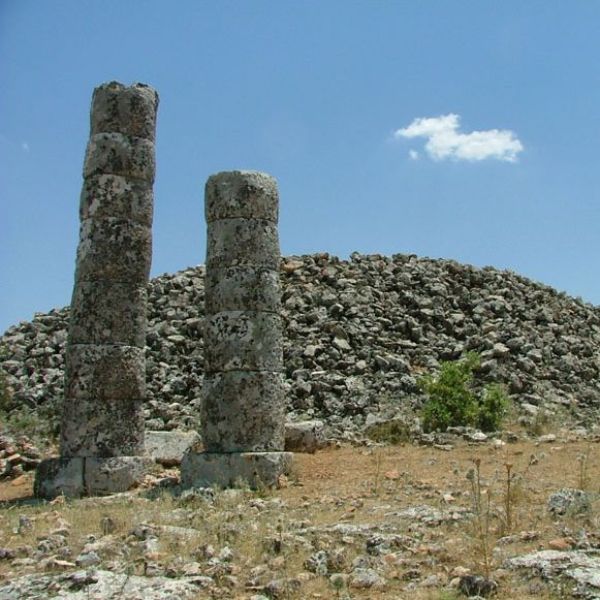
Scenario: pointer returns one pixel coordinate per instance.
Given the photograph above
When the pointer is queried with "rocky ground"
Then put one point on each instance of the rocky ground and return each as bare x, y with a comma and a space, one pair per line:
457, 518
442, 516
358, 334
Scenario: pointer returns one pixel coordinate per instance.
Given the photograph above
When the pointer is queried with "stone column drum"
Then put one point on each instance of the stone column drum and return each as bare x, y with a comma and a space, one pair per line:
102, 431
243, 395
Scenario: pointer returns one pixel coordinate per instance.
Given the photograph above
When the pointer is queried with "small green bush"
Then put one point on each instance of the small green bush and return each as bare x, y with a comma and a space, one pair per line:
5, 394
493, 406
452, 401
5, 389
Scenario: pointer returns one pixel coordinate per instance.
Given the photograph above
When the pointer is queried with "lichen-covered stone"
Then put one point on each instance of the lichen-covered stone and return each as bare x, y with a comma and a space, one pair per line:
105, 312
256, 469
242, 242
237, 340
104, 476
305, 436
59, 476
243, 411
375, 300
243, 406
118, 197
241, 194
242, 288
105, 380
129, 110
119, 154
95, 583
168, 447
79, 476
99, 373
114, 249
103, 428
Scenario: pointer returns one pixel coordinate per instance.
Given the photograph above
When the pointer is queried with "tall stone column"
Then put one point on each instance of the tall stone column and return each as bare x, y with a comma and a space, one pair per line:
243, 400
102, 431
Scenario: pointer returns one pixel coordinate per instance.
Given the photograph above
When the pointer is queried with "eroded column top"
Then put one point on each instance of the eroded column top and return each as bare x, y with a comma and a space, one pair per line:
130, 110
241, 194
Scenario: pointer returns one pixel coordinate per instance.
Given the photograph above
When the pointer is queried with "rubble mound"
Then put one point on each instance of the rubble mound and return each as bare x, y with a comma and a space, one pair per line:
358, 334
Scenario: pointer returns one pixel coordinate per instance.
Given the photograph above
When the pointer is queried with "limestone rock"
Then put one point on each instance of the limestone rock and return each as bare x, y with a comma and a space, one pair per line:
102, 426
246, 410
243, 340
107, 585
116, 197
376, 300
168, 447
130, 110
118, 154
241, 194
256, 469
305, 436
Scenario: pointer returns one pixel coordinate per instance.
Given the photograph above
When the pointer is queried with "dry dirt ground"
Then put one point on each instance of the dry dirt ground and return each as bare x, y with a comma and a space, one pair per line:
376, 522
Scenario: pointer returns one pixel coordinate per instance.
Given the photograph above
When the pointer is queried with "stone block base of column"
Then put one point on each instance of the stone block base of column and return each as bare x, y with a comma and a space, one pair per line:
89, 476
255, 469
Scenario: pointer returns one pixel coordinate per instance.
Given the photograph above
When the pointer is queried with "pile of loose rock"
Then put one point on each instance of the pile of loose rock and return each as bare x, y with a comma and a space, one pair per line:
358, 334
17, 454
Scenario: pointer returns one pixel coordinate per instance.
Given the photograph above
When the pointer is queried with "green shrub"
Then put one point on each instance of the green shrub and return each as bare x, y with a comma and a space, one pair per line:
452, 401
5, 393
5, 389
493, 406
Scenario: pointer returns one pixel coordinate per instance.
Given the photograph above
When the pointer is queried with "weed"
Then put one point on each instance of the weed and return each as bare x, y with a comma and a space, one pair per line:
448, 595
377, 461
508, 513
27, 422
583, 459
395, 431
482, 510
512, 494
338, 584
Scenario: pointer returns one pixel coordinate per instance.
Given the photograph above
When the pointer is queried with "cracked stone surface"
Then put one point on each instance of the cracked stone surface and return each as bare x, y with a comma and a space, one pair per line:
104, 362
256, 469
94, 320
581, 567
120, 154
248, 242
243, 340
99, 372
242, 288
246, 410
82, 585
243, 408
130, 110
241, 194
118, 197
114, 250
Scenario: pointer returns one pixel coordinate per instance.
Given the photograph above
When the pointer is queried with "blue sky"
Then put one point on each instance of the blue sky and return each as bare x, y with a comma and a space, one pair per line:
322, 95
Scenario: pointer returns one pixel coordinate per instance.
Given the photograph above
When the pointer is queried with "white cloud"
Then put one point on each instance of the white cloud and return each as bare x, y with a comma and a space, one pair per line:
25, 146
445, 141
414, 155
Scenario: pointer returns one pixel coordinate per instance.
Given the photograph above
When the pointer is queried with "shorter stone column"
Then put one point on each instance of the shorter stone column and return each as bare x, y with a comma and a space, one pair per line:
243, 395
102, 430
